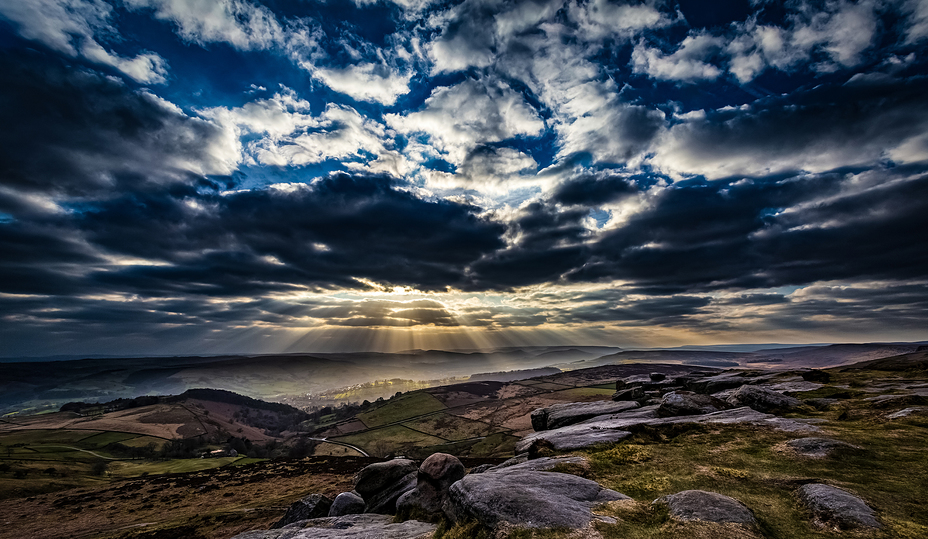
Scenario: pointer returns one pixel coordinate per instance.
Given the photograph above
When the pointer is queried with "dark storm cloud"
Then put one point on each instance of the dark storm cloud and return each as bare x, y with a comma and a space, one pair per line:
754, 234
340, 229
860, 123
78, 132
591, 190
547, 244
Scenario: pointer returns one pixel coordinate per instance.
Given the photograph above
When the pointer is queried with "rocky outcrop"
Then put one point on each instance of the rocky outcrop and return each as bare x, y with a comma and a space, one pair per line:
832, 506
526, 499
347, 527
381, 484
347, 503
630, 394
762, 399
312, 506
435, 476
692, 505
612, 428
714, 384
561, 415
818, 447
677, 403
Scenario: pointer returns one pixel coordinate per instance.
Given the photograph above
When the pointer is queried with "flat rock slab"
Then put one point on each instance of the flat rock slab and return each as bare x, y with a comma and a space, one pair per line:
696, 505
347, 527
569, 413
818, 447
915, 410
543, 464
833, 506
527, 498
612, 428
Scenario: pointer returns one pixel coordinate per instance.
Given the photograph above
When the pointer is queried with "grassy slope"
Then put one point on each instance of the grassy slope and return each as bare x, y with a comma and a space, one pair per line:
406, 406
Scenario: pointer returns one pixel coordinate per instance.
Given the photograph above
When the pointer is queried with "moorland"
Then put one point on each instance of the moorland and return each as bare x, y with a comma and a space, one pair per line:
214, 463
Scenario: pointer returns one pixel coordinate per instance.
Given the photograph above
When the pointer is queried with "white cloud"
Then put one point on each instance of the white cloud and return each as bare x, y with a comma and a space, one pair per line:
242, 24
917, 11
409, 5
147, 68
598, 19
70, 27
365, 82
289, 135
589, 114
686, 64
493, 171
459, 117
843, 31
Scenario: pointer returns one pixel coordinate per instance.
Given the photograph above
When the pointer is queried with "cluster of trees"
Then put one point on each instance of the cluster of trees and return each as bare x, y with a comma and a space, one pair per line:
110, 406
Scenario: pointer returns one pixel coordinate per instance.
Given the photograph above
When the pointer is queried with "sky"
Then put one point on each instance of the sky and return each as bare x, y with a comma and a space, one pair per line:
244, 176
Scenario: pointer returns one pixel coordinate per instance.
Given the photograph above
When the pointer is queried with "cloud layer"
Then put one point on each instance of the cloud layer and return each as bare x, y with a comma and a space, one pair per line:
262, 170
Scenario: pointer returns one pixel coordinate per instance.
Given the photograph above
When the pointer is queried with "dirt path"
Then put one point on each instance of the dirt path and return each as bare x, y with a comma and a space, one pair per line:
356, 448
98, 455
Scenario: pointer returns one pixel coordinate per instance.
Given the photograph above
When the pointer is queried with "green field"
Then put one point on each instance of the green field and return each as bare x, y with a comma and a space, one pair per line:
106, 438
390, 439
452, 428
42, 436
404, 407
579, 392
132, 468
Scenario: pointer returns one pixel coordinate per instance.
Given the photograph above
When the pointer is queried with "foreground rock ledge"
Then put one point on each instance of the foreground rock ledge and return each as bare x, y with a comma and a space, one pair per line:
527, 499
367, 526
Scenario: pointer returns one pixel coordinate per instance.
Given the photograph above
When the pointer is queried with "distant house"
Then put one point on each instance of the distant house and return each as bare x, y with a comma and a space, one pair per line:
221, 453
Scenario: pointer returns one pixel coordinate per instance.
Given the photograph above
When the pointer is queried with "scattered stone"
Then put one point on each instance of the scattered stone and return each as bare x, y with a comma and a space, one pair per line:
381, 484
815, 375
657, 376
691, 505
833, 506
436, 474
312, 506
347, 503
818, 447
630, 394
762, 399
561, 415
906, 412
347, 527
889, 401
527, 499
677, 403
